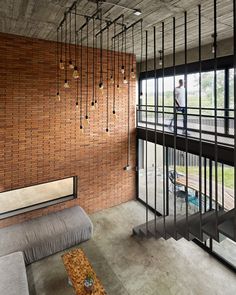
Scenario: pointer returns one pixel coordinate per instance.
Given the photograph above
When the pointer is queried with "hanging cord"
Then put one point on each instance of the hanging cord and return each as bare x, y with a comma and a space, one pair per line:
66, 51
61, 61
122, 46
75, 37
128, 125
93, 98
70, 60
101, 73
81, 78
57, 62
112, 68
114, 71
125, 73
86, 116
107, 128
118, 78
132, 70
95, 73
140, 69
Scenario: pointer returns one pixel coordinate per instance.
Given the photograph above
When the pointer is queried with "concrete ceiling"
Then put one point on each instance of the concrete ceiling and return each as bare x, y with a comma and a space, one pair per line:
40, 19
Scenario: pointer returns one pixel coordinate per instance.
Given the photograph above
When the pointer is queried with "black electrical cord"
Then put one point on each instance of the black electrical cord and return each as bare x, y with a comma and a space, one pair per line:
81, 78
86, 115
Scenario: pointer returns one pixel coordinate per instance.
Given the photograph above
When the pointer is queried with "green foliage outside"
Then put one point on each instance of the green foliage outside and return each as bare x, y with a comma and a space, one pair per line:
228, 174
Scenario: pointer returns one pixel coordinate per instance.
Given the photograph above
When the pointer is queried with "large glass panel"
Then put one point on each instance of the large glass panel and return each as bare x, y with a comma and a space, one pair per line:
226, 248
150, 166
150, 94
27, 197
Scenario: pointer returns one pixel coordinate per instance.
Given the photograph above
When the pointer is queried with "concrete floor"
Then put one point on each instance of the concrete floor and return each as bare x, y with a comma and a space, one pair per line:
134, 266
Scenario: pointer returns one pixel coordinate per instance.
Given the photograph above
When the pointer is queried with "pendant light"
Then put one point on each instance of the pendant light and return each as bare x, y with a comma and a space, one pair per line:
125, 81
95, 75
111, 76
122, 49
81, 91
160, 58
71, 66
114, 71
87, 92
118, 78
213, 46
101, 86
107, 127
75, 72
93, 98
57, 82
66, 84
141, 92
132, 69
61, 64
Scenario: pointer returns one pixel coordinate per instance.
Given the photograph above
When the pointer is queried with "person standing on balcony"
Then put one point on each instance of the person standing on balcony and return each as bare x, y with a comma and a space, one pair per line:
180, 106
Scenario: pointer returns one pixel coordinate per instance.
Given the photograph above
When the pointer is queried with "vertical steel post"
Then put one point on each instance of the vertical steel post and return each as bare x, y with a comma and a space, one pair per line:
186, 110
215, 116
163, 127
155, 151
146, 96
200, 116
175, 127
234, 21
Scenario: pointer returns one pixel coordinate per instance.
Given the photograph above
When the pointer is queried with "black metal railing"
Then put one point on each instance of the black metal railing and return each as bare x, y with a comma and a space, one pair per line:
225, 121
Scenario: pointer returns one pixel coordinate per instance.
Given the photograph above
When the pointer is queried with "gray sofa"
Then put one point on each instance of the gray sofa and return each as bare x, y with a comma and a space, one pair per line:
13, 279
39, 238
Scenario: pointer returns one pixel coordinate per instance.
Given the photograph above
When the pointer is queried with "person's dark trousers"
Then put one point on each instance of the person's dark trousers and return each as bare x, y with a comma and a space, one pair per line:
173, 121
184, 113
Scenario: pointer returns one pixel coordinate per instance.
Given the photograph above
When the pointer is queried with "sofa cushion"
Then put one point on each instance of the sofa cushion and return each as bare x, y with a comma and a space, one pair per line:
13, 279
45, 235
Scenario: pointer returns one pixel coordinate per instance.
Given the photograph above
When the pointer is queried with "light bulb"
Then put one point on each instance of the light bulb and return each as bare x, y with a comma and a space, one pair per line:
213, 48
114, 115
75, 73
77, 105
81, 129
118, 88
86, 121
71, 66
125, 81
160, 62
58, 96
61, 65
101, 85
66, 84
92, 105
122, 70
112, 80
132, 74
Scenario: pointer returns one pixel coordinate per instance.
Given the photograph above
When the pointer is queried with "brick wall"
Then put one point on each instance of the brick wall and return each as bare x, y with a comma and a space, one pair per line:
40, 138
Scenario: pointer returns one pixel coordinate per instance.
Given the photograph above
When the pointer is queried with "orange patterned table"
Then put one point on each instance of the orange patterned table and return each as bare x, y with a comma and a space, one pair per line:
78, 267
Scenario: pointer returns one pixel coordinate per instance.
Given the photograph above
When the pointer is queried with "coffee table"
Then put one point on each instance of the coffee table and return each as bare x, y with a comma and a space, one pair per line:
78, 267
